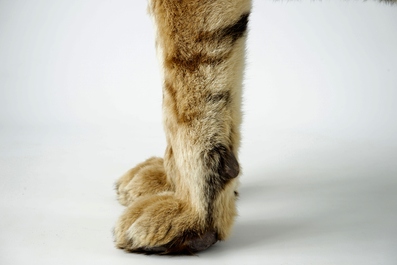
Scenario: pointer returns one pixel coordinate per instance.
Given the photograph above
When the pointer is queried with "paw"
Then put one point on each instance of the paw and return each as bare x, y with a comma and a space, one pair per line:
146, 178
162, 224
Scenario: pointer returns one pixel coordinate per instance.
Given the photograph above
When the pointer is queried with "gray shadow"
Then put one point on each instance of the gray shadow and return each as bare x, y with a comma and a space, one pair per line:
336, 209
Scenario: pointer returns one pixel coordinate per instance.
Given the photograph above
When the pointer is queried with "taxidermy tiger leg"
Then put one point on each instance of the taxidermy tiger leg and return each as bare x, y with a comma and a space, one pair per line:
187, 202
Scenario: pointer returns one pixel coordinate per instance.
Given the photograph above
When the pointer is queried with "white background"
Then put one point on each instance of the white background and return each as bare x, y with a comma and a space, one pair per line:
80, 103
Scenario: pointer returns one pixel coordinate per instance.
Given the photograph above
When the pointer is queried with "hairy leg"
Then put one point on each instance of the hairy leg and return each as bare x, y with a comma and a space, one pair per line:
189, 203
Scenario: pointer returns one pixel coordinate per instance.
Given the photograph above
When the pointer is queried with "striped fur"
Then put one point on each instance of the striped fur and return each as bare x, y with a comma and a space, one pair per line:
186, 202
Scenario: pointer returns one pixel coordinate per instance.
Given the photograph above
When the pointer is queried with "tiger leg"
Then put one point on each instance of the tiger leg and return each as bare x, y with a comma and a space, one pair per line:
201, 48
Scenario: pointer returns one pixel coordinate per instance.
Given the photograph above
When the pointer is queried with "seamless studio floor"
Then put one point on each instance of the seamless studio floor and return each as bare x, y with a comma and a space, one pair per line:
311, 200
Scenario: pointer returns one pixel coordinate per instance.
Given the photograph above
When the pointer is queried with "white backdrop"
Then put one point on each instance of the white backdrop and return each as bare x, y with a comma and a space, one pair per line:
324, 67
80, 103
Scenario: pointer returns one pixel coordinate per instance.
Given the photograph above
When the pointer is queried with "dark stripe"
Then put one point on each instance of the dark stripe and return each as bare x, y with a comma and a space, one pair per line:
168, 152
221, 161
219, 100
236, 30
219, 97
171, 92
192, 62
185, 108
222, 39
222, 166
229, 33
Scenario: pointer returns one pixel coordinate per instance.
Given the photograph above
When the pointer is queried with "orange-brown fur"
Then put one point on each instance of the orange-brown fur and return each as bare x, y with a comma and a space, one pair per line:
186, 202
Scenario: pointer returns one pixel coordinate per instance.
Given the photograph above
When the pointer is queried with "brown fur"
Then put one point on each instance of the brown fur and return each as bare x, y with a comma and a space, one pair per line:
186, 202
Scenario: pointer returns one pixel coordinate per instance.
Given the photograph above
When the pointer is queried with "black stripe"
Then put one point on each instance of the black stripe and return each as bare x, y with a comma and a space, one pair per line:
222, 166
193, 61
229, 33
222, 39
236, 30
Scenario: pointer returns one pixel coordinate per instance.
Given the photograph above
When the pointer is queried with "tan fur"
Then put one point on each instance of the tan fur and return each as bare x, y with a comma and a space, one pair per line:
191, 124
147, 178
190, 196
186, 202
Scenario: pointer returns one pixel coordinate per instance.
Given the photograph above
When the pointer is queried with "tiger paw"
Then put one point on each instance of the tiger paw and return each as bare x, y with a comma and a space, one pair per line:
146, 178
162, 224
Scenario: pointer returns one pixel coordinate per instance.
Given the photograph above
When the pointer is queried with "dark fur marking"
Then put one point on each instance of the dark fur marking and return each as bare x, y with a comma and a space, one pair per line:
221, 161
189, 243
229, 34
223, 166
185, 105
203, 242
152, 250
192, 62
181, 117
219, 97
170, 151
172, 93
191, 59
232, 168
236, 30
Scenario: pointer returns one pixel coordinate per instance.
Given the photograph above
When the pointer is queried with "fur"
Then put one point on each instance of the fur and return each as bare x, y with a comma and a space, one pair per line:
186, 202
